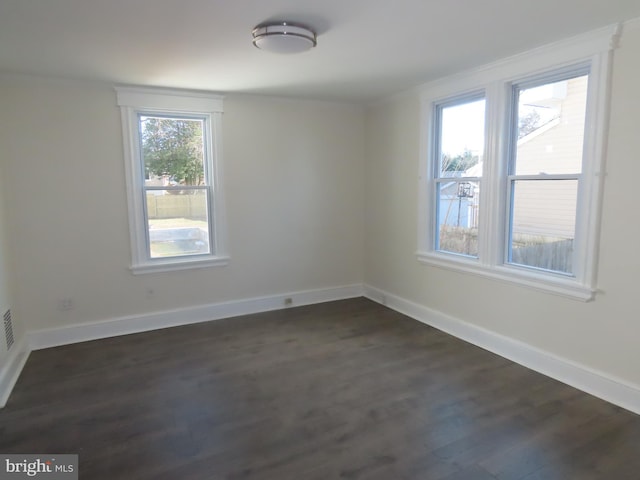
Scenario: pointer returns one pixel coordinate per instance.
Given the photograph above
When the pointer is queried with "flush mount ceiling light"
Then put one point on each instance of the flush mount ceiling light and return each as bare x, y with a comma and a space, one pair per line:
284, 37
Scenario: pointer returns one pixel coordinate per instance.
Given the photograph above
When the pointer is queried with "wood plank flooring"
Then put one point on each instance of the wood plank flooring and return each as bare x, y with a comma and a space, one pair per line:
342, 390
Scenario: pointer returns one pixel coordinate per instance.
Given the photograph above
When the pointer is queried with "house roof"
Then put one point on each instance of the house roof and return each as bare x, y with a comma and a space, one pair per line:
366, 49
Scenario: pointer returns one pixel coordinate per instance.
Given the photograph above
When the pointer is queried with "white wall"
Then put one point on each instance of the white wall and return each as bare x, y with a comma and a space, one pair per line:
294, 193
601, 335
5, 286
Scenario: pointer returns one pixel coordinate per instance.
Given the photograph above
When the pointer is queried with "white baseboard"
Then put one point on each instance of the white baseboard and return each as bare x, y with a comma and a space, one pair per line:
11, 369
54, 337
596, 383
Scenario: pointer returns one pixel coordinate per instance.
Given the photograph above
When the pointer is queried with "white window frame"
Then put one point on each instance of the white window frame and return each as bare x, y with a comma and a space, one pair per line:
136, 101
496, 80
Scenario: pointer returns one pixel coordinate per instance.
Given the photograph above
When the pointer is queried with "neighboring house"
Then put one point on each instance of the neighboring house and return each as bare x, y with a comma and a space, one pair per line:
549, 208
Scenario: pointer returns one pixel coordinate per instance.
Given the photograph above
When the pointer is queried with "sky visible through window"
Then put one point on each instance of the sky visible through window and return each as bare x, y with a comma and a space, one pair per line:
468, 134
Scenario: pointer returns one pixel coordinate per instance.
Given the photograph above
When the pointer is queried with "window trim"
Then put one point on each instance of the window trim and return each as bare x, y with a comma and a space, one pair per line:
134, 101
495, 81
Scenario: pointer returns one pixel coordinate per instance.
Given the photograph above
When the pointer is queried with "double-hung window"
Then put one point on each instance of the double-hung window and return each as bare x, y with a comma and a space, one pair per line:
173, 166
511, 168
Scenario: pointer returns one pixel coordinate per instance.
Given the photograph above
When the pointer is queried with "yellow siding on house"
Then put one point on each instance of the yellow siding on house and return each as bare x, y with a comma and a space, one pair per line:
545, 207
559, 149
549, 207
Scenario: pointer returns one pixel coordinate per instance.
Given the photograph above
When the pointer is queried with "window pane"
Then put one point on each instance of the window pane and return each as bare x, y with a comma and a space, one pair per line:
543, 223
461, 139
458, 217
177, 222
173, 150
550, 128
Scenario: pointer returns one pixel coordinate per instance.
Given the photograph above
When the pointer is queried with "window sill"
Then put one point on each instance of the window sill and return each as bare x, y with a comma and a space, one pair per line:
164, 265
549, 283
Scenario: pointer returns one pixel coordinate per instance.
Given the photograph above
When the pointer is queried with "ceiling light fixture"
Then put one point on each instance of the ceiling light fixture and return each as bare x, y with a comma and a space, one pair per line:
284, 37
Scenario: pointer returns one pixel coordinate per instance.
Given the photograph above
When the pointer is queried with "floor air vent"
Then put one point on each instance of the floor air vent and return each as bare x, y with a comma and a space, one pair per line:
8, 329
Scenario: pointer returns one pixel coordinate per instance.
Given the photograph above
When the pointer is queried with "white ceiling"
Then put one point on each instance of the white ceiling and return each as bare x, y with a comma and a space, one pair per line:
366, 49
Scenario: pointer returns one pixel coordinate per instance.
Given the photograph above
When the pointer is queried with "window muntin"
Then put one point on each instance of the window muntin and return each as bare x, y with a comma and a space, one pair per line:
545, 167
459, 151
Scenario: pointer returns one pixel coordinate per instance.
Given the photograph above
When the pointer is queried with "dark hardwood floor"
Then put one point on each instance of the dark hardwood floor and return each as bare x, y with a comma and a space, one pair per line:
342, 390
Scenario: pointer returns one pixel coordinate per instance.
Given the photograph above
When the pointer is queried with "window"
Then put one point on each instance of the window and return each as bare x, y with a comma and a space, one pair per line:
460, 147
510, 171
172, 155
